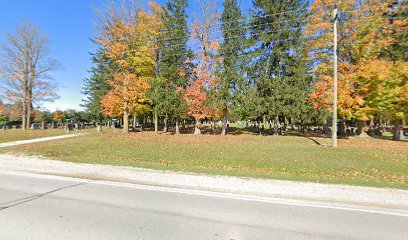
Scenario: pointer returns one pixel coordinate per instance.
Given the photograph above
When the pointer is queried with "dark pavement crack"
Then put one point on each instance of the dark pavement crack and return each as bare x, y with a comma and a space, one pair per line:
19, 201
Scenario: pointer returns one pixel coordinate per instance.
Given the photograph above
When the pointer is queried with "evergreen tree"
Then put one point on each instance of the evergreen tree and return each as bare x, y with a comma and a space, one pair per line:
277, 71
173, 64
231, 52
299, 83
96, 85
398, 18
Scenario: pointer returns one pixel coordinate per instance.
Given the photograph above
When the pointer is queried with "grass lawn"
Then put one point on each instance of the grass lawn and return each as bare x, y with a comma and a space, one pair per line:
18, 134
357, 161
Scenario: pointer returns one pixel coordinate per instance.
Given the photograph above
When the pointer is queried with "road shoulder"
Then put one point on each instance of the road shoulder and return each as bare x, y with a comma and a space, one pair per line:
394, 200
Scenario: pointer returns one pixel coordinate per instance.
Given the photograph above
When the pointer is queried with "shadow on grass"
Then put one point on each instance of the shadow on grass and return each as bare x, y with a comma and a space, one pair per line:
387, 138
236, 131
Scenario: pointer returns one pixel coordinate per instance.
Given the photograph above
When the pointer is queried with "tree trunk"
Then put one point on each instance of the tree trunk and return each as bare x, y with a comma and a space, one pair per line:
28, 121
197, 130
142, 124
275, 126
361, 128
342, 129
25, 88
382, 127
372, 133
224, 122
177, 126
134, 124
29, 105
125, 118
398, 133
156, 121
326, 126
24, 116
165, 124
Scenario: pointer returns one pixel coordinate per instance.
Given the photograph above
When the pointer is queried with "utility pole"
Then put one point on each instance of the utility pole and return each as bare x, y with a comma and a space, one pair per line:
334, 121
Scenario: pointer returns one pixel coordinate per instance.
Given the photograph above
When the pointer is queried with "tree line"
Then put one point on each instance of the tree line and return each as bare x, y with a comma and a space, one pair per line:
10, 116
273, 65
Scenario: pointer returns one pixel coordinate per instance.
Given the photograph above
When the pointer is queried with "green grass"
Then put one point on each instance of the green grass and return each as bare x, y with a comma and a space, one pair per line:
18, 134
368, 162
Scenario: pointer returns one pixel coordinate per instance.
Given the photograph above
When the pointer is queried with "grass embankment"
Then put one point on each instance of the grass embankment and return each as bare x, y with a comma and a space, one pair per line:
358, 161
18, 134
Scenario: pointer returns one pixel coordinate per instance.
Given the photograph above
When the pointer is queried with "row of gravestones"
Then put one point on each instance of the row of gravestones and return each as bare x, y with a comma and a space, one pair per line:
77, 127
33, 126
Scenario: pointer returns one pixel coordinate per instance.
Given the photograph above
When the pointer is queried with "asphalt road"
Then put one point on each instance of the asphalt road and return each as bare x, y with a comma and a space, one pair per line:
36, 207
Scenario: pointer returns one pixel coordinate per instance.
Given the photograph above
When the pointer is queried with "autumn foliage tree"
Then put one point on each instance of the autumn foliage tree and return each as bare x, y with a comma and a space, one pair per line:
320, 47
370, 85
1, 107
58, 116
205, 77
3, 117
276, 66
381, 80
126, 34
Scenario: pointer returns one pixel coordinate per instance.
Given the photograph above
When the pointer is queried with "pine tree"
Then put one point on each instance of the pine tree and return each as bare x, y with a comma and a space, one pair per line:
173, 66
297, 95
398, 50
277, 35
96, 85
231, 52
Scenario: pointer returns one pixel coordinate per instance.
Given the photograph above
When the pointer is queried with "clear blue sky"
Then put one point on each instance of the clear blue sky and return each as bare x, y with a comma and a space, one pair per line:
69, 25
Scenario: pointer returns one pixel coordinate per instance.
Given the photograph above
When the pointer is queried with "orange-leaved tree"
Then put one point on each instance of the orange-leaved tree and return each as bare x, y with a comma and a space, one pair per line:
320, 47
58, 116
383, 81
127, 34
3, 118
196, 95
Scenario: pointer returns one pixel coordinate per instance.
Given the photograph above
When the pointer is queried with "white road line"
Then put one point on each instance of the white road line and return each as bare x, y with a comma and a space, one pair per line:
233, 196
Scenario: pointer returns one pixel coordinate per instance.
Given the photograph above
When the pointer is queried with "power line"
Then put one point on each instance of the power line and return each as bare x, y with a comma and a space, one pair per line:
251, 18
237, 36
272, 24
244, 27
254, 26
279, 41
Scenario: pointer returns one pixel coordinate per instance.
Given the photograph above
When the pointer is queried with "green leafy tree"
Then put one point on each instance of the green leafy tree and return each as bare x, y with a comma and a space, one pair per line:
72, 115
